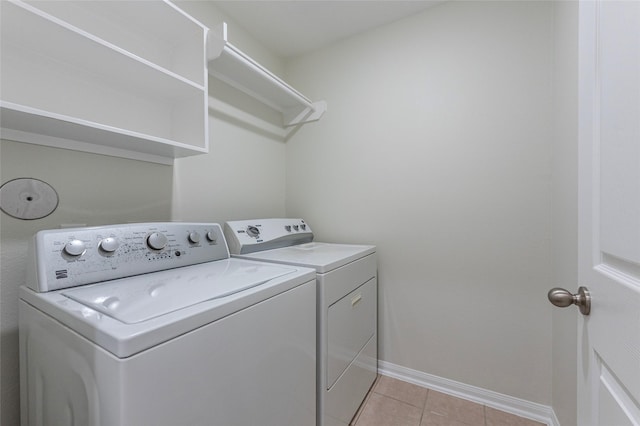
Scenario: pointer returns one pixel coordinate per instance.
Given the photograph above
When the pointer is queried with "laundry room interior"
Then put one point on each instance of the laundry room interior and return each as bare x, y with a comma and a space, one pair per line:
449, 141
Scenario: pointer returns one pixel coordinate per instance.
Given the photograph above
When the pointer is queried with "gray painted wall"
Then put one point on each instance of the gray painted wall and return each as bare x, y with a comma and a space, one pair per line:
436, 147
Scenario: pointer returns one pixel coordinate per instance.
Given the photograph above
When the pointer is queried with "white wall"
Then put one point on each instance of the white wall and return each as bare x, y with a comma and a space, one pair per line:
436, 147
93, 190
565, 208
243, 176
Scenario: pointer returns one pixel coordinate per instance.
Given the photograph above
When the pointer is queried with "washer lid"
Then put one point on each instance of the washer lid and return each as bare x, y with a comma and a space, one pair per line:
143, 297
323, 257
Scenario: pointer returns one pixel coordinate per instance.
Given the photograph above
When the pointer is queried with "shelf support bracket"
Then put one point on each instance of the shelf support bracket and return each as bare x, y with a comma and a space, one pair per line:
216, 41
293, 117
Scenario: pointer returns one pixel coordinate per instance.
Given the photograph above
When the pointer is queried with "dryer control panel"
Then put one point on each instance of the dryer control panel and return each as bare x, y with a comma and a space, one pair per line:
63, 258
250, 236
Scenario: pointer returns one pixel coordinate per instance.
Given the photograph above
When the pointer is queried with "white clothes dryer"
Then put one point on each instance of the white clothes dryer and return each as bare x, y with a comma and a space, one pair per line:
155, 324
346, 306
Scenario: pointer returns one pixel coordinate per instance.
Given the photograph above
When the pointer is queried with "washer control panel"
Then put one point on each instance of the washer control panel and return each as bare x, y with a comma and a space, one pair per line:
65, 258
249, 236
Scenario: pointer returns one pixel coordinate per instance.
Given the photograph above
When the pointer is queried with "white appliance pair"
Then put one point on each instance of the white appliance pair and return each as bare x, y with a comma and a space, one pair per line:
346, 278
155, 324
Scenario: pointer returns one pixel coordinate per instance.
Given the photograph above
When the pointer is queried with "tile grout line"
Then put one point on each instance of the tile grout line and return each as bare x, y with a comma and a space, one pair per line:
396, 399
424, 408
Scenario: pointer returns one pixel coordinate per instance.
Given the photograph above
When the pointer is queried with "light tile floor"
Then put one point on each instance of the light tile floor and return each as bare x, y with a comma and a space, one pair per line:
392, 402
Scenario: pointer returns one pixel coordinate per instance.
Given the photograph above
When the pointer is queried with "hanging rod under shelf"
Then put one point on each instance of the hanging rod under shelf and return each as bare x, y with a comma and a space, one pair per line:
235, 68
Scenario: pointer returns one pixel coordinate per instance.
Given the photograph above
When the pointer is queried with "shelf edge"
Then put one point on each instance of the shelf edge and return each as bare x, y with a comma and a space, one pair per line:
86, 136
298, 109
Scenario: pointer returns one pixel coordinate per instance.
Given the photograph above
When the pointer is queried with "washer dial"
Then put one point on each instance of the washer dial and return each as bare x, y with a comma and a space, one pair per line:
109, 245
157, 241
194, 237
75, 248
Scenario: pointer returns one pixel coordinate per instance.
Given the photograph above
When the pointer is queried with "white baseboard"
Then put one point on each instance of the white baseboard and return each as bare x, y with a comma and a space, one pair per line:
520, 407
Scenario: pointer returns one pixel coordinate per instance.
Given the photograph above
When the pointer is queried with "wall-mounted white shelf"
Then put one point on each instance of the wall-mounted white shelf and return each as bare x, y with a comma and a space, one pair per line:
125, 78
235, 68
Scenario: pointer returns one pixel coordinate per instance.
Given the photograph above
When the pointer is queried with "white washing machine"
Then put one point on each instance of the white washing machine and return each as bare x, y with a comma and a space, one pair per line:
346, 306
155, 324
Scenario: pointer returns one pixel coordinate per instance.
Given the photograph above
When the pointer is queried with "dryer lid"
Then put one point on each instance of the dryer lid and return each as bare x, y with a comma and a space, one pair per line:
323, 257
143, 297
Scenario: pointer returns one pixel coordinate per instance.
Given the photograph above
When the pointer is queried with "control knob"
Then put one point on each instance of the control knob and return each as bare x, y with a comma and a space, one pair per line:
253, 231
157, 241
194, 237
75, 248
211, 236
109, 245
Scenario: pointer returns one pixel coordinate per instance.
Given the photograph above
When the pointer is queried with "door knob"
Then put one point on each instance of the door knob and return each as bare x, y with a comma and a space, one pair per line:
562, 298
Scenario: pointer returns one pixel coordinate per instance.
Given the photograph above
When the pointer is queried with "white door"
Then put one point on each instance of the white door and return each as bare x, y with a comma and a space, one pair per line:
609, 217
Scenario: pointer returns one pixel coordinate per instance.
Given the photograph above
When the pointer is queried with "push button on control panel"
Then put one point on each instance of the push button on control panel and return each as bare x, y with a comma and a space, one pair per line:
296, 227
